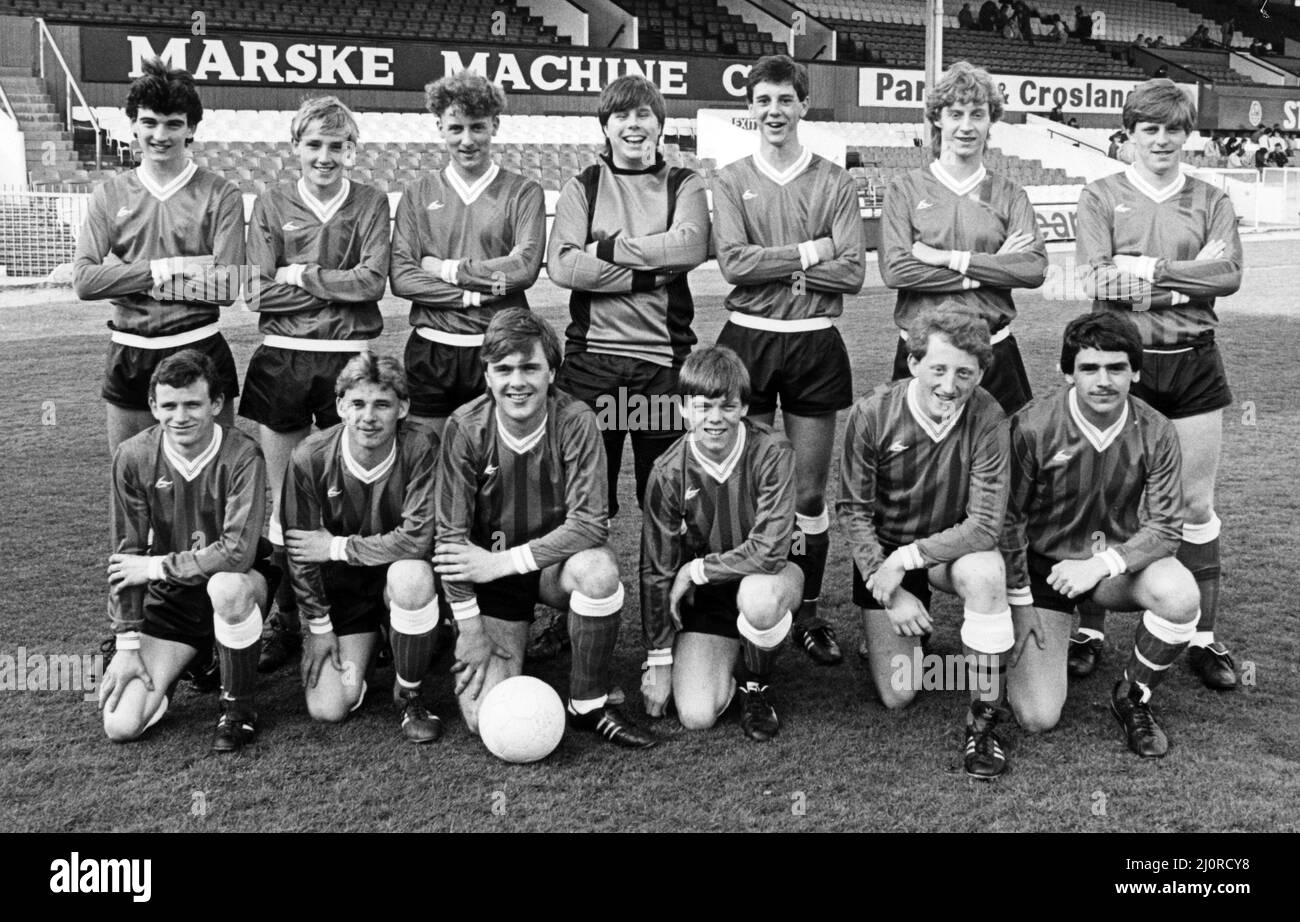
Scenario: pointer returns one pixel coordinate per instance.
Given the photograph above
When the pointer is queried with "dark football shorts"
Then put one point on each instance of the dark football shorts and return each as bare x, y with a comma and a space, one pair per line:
1186, 383
184, 613
285, 388
442, 378
1005, 379
510, 598
916, 582
809, 373
712, 609
627, 385
356, 597
1045, 596
129, 368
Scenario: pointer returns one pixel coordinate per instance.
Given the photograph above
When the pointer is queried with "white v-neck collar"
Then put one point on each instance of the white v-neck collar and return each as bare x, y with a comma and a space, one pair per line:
936, 431
163, 193
191, 469
963, 188
1156, 195
324, 210
1100, 439
372, 475
523, 444
721, 470
469, 192
781, 177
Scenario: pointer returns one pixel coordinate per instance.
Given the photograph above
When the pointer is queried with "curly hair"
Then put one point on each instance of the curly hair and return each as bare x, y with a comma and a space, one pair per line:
473, 94
962, 327
962, 83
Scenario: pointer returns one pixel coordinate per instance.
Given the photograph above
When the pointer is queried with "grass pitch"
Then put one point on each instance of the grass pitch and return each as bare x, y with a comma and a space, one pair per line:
841, 762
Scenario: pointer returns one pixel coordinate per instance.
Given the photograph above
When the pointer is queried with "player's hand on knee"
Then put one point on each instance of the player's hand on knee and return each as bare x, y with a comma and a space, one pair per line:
909, 620
319, 650
126, 570
656, 689
474, 652
1072, 578
1026, 622
306, 546
683, 589
886, 580
469, 563
126, 666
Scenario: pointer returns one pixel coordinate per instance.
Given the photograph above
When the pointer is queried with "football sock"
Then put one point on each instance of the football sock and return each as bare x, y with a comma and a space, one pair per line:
813, 538
987, 637
1156, 645
1199, 552
412, 638
759, 648
1092, 620
238, 647
593, 628
286, 603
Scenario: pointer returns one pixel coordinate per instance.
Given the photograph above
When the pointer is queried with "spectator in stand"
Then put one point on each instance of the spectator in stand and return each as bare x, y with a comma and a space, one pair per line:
1126, 152
989, 19
1226, 32
1082, 24
1025, 20
1212, 152
1277, 156
1256, 46
966, 19
1056, 114
1159, 42
1116, 140
1235, 150
1198, 39
1073, 123
1058, 32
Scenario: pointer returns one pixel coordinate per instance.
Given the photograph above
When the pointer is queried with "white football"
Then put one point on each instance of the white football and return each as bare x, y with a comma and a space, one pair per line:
521, 719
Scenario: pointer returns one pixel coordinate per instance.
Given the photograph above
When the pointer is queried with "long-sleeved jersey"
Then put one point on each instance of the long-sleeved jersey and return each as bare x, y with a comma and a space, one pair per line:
342, 246
650, 227
1124, 215
543, 497
495, 228
132, 221
384, 514
1077, 491
906, 480
760, 218
973, 218
734, 518
200, 517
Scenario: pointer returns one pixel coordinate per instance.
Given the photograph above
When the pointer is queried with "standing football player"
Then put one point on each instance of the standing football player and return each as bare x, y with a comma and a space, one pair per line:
923, 493
358, 526
717, 586
787, 231
1095, 513
521, 519
188, 562
165, 244
320, 246
1161, 246
468, 241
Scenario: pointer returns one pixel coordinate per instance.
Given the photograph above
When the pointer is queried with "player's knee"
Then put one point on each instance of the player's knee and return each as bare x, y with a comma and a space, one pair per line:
1197, 510
894, 699
595, 573
760, 602
232, 596
329, 706
695, 714
410, 584
980, 577
1036, 716
123, 725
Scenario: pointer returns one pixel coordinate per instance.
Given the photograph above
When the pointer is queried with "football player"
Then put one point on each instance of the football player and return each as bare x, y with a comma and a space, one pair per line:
521, 519
717, 585
787, 231
320, 246
923, 493
188, 563
358, 526
1095, 513
165, 244
1161, 246
467, 242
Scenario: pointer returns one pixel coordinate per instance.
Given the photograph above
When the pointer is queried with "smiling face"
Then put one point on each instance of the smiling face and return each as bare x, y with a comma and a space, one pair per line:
162, 138
633, 137
187, 415
468, 139
1102, 380
715, 423
1158, 149
964, 130
778, 109
324, 158
520, 383
371, 413
947, 375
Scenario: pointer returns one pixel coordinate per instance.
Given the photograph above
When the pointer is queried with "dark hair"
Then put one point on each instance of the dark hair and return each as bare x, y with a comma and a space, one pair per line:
1105, 331
714, 371
515, 329
164, 90
1162, 102
960, 325
631, 91
777, 68
475, 95
371, 368
181, 370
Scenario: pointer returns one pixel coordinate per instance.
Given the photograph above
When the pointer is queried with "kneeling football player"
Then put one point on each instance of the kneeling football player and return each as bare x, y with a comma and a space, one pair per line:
923, 491
358, 526
1095, 514
188, 563
717, 585
521, 513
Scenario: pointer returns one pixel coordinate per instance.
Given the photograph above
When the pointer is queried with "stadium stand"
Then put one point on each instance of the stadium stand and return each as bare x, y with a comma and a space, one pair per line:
697, 26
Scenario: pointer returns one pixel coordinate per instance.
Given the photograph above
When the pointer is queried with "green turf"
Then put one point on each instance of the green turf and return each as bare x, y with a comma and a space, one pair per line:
840, 763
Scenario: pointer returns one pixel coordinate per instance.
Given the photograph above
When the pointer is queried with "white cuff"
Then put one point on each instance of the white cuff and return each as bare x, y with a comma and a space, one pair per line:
1114, 562
161, 270
448, 270
808, 254
959, 260
128, 640
472, 299
1177, 297
156, 571
912, 558
320, 625
1145, 268
522, 558
697, 572
339, 549
463, 611
968, 283
1020, 596
293, 274
662, 657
